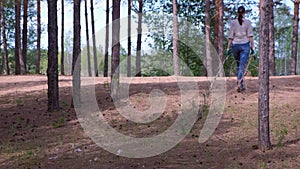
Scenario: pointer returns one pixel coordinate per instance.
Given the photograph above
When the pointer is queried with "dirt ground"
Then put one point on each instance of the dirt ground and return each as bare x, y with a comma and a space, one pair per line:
31, 137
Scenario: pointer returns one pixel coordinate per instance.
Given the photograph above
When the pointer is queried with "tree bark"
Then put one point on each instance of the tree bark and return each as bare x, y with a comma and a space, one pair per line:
87, 39
94, 40
24, 39
5, 53
272, 42
115, 71
216, 26
221, 30
295, 38
76, 64
263, 98
18, 37
175, 40
52, 71
139, 41
106, 40
62, 59
129, 40
207, 39
38, 45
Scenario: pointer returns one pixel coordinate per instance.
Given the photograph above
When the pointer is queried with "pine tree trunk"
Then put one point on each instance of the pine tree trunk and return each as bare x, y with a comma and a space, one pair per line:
87, 39
106, 40
129, 40
115, 71
17, 37
272, 42
5, 54
24, 39
76, 63
263, 98
1, 61
295, 38
139, 41
221, 30
216, 26
62, 59
207, 39
175, 40
52, 71
94, 40
38, 46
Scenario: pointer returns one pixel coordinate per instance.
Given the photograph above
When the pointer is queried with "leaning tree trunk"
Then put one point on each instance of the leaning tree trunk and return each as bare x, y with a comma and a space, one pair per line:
5, 54
87, 38
221, 30
207, 40
263, 98
272, 42
175, 40
24, 39
94, 40
17, 37
295, 38
76, 63
38, 45
115, 71
62, 59
129, 40
106, 40
52, 72
139, 41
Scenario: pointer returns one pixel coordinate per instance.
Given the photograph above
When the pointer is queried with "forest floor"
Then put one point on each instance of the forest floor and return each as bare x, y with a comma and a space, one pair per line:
32, 137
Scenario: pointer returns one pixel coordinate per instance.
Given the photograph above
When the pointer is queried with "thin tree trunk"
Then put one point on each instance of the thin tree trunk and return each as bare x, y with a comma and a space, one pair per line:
87, 39
216, 26
38, 46
129, 40
263, 98
76, 63
175, 40
18, 37
106, 40
1, 61
272, 42
24, 39
295, 38
5, 54
139, 41
62, 59
115, 71
52, 72
207, 39
94, 40
221, 30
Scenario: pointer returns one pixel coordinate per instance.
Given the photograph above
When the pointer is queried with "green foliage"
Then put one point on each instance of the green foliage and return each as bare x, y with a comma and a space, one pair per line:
283, 23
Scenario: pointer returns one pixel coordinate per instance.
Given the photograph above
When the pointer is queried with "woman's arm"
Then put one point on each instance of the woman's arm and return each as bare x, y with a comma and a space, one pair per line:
252, 42
229, 43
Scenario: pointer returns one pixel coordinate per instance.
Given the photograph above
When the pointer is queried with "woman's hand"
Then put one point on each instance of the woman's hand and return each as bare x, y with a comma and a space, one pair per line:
228, 52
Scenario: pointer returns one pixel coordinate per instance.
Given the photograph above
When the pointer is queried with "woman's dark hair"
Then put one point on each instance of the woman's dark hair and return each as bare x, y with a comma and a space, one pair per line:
241, 11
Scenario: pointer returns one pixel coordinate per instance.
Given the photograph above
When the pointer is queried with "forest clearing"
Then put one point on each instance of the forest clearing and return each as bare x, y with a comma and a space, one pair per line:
32, 137
149, 84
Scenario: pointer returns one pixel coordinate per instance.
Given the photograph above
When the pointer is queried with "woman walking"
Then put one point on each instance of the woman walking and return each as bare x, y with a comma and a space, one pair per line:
239, 40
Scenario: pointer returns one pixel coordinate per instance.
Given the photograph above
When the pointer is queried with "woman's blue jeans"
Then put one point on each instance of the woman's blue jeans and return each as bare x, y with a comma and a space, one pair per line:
241, 54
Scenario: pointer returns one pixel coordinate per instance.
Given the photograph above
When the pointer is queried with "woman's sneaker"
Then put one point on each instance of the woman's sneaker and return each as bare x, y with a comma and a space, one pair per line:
239, 89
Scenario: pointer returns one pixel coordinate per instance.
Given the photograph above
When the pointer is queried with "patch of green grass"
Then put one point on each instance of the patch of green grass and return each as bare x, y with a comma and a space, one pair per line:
64, 104
19, 102
59, 123
262, 165
281, 133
